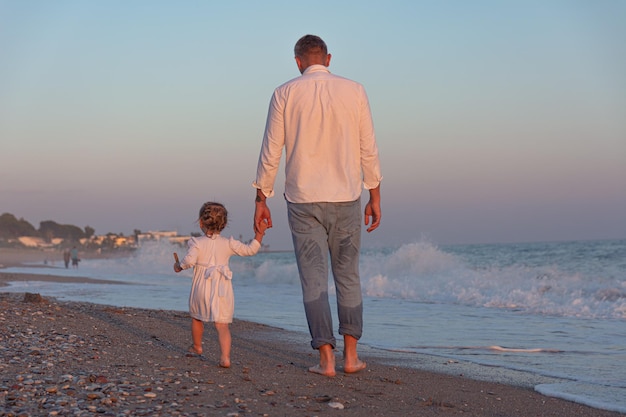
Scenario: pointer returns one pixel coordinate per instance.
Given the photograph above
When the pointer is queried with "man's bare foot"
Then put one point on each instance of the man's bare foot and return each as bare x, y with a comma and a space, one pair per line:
326, 366
317, 369
351, 361
359, 365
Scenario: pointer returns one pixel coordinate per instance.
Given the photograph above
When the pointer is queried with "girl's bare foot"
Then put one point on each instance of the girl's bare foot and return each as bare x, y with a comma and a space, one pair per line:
195, 351
224, 363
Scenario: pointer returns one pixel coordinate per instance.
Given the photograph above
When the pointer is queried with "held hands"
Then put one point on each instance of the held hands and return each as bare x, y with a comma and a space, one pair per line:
259, 230
262, 226
262, 214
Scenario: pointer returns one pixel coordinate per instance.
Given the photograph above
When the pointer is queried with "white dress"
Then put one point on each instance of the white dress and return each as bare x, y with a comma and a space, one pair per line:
211, 297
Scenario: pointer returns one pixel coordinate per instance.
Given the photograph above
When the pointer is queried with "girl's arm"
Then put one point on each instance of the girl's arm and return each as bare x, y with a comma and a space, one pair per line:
249, 249
190, 257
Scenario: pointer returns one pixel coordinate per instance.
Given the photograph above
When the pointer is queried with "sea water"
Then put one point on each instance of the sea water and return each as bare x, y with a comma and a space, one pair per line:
549, 315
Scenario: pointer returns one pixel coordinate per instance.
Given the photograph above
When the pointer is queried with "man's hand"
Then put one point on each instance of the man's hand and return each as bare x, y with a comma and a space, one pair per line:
372, 210
261, 213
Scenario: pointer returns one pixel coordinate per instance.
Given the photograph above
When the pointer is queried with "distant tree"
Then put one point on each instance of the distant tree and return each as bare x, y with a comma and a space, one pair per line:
109, 242
89, 231
49, 229
11, 227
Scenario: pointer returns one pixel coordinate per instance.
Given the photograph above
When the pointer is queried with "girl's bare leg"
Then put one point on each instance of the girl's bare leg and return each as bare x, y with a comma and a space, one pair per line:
351, 361
223, 334
197, 329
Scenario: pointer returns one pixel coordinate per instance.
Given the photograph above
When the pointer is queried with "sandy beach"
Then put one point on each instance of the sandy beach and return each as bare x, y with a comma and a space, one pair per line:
66, 358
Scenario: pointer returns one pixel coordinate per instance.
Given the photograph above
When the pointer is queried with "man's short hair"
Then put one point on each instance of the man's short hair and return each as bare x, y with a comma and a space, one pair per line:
310, 44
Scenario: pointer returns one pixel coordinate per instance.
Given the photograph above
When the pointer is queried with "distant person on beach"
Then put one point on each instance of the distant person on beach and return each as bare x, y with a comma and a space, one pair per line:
75, 258
211, 298
66, 258
324, 123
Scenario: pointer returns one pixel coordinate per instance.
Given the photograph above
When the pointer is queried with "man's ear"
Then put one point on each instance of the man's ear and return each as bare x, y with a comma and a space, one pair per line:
299, 63
328, 56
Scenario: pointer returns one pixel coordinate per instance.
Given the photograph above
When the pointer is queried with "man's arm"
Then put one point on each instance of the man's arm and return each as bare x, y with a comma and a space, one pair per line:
269, 161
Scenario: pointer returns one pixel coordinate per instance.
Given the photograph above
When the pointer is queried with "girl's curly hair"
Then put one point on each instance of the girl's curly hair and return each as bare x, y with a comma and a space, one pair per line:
213, 217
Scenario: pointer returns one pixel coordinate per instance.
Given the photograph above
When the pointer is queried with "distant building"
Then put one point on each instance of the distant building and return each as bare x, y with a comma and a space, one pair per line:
181, 240
34, 242
112, 241
156, 236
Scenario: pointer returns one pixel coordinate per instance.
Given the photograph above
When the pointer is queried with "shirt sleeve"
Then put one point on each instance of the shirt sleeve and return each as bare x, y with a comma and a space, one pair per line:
272, 147
244, 249
370, 162
191, 256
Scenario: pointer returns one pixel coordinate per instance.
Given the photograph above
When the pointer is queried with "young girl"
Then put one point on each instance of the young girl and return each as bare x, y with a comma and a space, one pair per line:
211, 298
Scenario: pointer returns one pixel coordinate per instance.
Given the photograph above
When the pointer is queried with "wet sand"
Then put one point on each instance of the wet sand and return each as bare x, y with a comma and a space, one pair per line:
66, 358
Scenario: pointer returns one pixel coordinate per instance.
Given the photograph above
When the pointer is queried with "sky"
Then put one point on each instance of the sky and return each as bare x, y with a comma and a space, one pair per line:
496, 121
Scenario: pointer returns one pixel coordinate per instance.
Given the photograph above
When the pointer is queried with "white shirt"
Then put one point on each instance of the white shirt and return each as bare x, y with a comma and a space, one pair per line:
211, 297
325, 125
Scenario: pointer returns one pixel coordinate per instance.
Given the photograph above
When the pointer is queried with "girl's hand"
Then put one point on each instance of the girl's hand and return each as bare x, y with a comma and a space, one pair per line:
262, 226
259, 230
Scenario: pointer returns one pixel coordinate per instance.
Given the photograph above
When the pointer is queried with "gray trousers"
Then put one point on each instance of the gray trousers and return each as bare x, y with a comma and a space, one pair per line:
319, 230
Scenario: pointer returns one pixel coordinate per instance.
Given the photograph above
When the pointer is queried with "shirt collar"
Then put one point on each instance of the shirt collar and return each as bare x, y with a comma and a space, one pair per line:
315, 68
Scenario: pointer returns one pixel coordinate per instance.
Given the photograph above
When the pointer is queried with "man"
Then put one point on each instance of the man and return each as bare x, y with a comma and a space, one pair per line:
324, 123
74, 255
66, 258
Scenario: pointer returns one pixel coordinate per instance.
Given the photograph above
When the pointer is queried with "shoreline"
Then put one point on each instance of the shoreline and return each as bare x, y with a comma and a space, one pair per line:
13, 257
136, 353
136, 360
389, 357
35, 258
